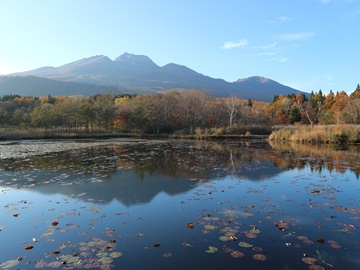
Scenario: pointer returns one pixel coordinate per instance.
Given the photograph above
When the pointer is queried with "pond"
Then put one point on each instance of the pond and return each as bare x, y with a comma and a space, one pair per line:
180, 205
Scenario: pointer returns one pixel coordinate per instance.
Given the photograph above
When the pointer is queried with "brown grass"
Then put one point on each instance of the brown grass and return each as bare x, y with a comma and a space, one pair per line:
318, 134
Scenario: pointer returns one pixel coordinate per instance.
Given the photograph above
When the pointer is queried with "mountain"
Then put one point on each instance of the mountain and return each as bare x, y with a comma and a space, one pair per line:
36, 86
132, 74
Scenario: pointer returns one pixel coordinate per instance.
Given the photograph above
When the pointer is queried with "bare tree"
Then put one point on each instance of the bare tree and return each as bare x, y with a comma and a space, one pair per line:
312, 113
232, 104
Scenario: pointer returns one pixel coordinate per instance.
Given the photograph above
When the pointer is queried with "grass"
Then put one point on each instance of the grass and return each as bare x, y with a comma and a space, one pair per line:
37, 133
335, 134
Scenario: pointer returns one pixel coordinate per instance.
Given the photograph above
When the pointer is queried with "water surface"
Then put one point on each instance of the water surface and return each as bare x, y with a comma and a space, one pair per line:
177, 205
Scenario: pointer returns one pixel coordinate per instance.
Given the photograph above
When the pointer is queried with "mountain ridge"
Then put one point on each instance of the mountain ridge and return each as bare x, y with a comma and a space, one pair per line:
133, 74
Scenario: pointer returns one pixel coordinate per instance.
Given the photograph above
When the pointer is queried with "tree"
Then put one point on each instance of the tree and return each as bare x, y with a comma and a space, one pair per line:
295, 115
311, 109
356, 93
104, 109
351, 112
232, 104
340, 101
43, 116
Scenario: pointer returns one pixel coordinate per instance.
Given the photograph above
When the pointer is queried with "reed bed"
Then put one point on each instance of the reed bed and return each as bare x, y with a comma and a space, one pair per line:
338, 134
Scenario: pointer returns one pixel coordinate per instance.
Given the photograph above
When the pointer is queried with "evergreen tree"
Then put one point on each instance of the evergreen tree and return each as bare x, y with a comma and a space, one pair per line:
295, 115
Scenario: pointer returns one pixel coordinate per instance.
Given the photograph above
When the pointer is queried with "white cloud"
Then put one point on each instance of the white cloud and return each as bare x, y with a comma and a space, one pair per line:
230, 44
265, 47
283, 19
278, 20
297, 36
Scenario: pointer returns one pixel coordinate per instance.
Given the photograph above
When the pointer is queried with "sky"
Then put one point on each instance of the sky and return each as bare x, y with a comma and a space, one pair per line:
305, 44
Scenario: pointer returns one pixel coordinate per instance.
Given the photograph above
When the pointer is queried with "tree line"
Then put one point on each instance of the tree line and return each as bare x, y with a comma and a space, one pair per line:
182, 111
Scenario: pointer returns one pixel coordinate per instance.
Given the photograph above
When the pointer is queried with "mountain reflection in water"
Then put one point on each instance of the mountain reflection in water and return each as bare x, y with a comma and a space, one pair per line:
135, 174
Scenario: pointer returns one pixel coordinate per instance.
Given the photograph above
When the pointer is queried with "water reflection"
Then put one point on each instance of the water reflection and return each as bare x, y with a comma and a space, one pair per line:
136, 174
253, 206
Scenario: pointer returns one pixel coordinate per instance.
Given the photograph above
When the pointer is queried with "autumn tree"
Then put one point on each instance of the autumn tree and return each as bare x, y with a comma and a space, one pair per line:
356, 93
340, 101
311, 108
351, 111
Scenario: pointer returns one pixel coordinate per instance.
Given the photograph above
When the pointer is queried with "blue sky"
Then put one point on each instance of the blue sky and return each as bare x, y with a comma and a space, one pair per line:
305, 44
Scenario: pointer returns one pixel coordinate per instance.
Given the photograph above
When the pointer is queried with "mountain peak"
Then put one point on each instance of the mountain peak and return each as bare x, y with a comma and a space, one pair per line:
254, 79
127, 58
132, 74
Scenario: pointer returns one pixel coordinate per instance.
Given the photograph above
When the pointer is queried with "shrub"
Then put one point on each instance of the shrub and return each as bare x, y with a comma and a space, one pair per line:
339, 138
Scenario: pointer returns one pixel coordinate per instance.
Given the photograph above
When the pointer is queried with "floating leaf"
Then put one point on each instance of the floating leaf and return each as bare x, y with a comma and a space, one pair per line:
309, 260
335, 245
237, 254
55, 264
106, 260
255, 230
29, 247
209, 227
9, 264
320, 240
212, 249
224, 238
102, 254
315, 267
259, 257
167, 255
251, 235
115, 255
245, 245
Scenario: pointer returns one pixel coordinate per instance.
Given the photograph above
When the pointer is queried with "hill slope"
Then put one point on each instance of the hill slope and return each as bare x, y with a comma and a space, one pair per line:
132, 74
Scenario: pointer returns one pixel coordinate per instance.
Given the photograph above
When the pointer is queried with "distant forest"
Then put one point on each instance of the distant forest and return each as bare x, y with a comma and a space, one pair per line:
175, 111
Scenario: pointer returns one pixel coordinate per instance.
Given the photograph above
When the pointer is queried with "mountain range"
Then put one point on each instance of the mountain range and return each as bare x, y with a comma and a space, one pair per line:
131, 74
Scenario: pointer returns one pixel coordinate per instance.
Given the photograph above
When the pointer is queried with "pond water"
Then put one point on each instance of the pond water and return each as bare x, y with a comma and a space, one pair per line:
181, 205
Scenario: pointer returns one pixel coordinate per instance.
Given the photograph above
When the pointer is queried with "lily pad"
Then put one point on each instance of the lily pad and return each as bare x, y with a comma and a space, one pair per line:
106, 260
9, 264
212, 249
209, 227
251, 235
102, 254
237, 254
309, 260
224, 238
245, 245
56, 264
259, 257
255, 230
115, 255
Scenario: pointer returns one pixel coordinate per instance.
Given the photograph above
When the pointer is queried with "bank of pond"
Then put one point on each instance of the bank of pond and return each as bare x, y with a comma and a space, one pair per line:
316, 134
